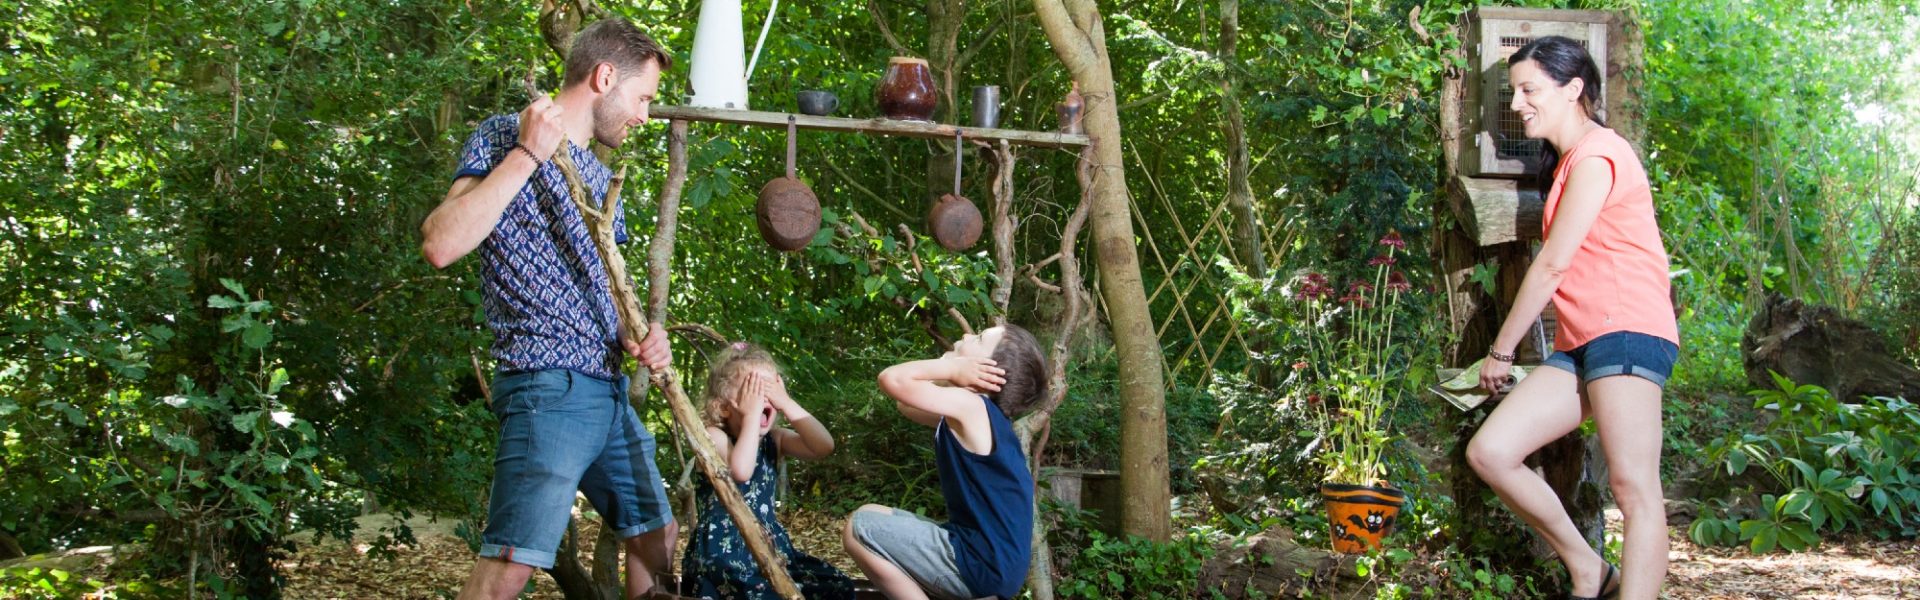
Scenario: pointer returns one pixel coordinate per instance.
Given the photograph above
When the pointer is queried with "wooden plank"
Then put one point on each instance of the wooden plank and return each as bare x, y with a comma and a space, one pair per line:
1497, 211
883, 127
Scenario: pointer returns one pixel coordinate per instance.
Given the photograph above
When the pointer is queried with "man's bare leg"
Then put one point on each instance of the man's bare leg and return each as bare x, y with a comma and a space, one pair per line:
495, 579
650, 560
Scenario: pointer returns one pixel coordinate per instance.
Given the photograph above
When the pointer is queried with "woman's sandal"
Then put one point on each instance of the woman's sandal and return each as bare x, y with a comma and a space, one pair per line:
1609, 586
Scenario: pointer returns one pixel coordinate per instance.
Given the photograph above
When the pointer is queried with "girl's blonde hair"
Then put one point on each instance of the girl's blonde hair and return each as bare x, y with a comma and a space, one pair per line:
724, 377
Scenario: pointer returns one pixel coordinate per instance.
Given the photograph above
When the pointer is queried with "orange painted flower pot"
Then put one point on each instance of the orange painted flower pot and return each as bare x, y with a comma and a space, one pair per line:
1360, 515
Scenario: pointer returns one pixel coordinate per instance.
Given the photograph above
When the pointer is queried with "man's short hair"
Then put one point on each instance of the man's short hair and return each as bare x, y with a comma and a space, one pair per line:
1026, 365
616, 41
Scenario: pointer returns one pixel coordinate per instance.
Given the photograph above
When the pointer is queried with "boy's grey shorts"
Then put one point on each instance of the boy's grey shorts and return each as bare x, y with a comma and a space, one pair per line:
917, 545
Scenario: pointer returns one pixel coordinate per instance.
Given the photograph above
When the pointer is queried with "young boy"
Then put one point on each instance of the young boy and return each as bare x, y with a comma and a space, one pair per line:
969, 397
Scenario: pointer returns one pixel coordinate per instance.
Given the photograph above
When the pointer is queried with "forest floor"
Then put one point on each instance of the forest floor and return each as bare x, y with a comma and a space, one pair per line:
435, 567
436, 564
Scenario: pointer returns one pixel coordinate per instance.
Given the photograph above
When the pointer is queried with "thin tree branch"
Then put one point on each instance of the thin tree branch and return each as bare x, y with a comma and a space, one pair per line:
886, 32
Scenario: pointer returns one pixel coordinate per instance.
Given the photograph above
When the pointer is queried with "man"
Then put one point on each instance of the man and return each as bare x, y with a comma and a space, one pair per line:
565, 423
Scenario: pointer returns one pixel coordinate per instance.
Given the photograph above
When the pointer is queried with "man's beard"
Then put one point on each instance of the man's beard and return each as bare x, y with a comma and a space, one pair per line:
607, 129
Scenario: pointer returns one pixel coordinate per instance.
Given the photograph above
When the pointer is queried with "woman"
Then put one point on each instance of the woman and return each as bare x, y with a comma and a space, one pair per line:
1605, 270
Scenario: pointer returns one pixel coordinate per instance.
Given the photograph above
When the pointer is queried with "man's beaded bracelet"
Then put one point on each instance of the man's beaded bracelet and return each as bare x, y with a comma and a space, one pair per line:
530, 155
1496, 355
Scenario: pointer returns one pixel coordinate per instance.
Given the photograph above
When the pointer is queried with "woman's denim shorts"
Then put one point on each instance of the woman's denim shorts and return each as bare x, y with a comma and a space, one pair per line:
1620, 353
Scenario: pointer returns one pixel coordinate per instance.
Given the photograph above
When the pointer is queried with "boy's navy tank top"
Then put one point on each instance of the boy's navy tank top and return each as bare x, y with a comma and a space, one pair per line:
990, 506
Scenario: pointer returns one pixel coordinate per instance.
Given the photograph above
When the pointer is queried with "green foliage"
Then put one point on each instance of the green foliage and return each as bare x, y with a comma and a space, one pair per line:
49, 584
248, 459
1475, 579
1777, 152
154, 150
1348, 355
1828, 466
1133, 567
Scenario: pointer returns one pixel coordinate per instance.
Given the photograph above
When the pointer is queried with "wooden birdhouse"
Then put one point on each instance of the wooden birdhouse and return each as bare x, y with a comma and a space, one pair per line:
1489, 190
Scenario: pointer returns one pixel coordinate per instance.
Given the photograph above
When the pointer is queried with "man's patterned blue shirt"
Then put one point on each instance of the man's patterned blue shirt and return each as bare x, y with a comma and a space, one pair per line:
544, 289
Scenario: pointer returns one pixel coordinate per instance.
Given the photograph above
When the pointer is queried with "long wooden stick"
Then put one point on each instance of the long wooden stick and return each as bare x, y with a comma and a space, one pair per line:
633, 325
1003, 225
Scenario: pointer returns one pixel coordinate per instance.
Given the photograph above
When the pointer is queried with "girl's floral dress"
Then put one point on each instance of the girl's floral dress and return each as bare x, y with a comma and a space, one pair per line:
717, 564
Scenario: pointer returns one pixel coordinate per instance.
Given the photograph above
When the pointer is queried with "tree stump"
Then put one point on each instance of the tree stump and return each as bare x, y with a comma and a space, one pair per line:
1814, 344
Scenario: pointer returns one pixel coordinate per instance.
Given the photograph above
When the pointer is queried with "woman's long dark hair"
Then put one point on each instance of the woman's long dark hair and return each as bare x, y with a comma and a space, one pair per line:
1564, 60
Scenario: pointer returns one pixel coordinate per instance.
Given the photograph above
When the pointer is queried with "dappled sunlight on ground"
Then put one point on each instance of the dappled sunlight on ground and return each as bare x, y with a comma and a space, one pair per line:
1845, 569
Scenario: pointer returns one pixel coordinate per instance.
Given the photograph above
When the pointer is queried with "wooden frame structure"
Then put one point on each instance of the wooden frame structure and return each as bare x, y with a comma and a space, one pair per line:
1031, 428
559, 19
882, 127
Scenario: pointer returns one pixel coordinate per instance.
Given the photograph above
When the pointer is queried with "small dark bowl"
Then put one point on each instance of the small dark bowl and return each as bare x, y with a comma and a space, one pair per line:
817, 103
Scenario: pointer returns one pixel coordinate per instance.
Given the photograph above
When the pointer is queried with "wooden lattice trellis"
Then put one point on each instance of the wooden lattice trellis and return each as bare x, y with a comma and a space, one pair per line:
1191, 276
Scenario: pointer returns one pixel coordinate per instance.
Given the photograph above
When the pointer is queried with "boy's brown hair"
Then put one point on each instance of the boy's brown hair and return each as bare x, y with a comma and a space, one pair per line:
1020, 355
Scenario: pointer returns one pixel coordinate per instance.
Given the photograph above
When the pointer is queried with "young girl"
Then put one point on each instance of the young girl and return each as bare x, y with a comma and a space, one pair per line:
744, 395
969, 397
1605, 270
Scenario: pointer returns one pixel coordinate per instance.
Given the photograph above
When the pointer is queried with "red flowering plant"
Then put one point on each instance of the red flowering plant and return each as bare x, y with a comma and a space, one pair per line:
1349, 377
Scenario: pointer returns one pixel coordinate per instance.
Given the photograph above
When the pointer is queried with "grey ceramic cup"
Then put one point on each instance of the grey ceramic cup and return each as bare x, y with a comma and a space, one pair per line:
817, 102
986, 106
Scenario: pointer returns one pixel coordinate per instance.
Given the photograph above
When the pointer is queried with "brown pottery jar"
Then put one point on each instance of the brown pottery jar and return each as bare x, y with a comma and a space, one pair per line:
906, 91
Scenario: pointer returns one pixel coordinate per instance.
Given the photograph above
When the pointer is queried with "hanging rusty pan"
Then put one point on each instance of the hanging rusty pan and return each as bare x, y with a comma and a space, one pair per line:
788, 213
954, 220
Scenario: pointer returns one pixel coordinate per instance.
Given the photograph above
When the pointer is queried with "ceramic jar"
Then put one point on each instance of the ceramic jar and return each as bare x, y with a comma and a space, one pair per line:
906, 92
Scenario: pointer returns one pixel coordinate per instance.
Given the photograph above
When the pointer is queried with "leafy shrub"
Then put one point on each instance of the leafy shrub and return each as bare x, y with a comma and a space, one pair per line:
36, 583
1826, 466
1134, 567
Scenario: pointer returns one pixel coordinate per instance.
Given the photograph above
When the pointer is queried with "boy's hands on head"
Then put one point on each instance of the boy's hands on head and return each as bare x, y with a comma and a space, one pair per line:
973, 373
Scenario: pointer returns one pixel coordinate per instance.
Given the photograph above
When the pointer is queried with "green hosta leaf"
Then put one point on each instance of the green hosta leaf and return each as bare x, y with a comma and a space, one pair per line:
1806, 470
1798, 537
1764, 540
234, 286
1857, 487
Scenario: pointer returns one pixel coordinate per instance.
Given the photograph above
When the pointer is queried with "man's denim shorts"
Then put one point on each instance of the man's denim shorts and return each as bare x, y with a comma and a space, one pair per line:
562, 431
1619, 353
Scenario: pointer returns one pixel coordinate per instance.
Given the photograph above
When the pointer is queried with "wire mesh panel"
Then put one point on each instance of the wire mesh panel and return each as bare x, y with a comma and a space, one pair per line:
1496, 137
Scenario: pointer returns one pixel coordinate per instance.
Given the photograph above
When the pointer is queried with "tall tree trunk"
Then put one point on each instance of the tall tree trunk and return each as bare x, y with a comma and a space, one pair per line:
1246, 232
1078, 38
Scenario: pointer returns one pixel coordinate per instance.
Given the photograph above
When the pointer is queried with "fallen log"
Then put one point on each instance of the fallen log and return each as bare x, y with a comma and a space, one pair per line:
1817, 345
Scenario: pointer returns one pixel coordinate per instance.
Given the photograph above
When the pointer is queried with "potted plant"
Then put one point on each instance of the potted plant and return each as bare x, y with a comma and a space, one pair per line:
1350, 382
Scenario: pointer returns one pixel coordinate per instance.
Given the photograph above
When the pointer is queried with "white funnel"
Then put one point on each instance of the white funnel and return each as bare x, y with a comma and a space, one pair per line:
719, 69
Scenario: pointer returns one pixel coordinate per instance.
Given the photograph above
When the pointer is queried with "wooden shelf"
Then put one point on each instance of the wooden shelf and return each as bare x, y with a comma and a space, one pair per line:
884, 127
